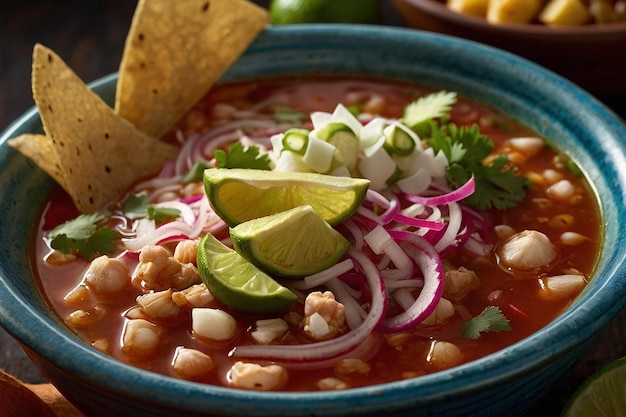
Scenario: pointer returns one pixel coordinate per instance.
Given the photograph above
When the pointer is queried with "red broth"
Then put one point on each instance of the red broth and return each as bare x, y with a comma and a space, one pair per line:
527, 306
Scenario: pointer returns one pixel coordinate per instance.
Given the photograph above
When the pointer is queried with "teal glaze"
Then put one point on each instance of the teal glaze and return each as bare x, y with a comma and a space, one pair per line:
505, 383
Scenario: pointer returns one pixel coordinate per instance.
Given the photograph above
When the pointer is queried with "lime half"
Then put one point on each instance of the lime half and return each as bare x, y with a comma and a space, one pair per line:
236, 282
603, 394
293, 243
239, 195
323, 11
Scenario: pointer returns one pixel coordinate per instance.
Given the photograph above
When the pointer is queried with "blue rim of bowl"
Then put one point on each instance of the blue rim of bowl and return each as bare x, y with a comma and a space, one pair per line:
590, 314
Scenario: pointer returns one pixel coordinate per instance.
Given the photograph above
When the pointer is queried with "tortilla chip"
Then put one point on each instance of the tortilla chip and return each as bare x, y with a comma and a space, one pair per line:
39, 149
174, 53
100, 154
17, 400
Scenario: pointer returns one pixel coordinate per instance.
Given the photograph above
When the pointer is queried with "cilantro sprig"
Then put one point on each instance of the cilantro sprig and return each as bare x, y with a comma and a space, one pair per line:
84, 236
467, 150
286, 114
138, 207
240, 157
491, 319
418, 114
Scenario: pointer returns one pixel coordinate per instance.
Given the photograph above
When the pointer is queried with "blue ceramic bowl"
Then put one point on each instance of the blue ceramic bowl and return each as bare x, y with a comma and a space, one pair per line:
504, 383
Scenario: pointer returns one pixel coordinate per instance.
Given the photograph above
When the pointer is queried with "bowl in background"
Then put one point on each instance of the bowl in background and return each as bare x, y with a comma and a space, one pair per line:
592, 56
508, 382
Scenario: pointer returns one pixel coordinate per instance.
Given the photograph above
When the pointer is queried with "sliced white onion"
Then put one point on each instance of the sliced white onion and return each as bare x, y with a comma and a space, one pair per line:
320, 278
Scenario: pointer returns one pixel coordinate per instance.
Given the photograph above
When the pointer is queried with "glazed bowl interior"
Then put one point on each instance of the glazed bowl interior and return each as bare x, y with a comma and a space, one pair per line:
545, 102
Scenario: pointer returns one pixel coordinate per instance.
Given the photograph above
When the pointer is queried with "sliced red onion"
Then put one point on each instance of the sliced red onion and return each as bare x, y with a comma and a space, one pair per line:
380, 241
159, 183
403, 298
477, 246
172, 238
428, 261
377, 198
392, 283
215, 141
192, 199
175, 230
460, 193
364, 351
186, 213
355, 231
355, 314
389, 202
183, 157
322, 351
449, 238
232, 131
420, 223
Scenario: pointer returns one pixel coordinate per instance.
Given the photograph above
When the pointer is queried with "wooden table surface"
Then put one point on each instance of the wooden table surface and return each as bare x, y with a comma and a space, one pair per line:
90, 35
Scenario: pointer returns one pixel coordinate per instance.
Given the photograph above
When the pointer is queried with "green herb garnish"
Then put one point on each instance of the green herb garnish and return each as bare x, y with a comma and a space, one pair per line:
240, 157
497, 185
195, 174
419, 113
139, 207
491, 319
83, 236
285, 114
568, 164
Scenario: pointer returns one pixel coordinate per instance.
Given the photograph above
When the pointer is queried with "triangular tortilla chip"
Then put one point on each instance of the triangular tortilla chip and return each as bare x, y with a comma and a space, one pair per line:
100, 154
174, 53
39, 149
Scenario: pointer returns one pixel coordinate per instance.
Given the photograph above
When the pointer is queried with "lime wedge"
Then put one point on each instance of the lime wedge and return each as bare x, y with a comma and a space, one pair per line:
239, 195
292, 243
323, 11
236, 282
603, 394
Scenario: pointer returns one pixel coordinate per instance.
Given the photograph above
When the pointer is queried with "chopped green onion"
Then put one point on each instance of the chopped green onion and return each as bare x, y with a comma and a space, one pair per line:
398, 141
296, 140
331, 129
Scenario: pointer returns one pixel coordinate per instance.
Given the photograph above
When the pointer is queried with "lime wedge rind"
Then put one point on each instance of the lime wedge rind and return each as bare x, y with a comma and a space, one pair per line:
237, 283
292, 243
239, 195
602, 394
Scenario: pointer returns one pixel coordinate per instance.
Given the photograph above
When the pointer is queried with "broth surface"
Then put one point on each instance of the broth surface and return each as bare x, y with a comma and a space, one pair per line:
521, 298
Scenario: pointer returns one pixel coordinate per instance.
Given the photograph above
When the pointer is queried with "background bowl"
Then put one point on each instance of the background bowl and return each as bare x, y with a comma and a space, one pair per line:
592, 56
505, 383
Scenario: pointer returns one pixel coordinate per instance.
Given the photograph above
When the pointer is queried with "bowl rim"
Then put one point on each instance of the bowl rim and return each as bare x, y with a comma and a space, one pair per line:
150, 385
438, 8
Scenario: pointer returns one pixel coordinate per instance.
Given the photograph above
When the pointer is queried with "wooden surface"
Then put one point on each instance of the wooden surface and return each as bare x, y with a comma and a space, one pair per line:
90, 35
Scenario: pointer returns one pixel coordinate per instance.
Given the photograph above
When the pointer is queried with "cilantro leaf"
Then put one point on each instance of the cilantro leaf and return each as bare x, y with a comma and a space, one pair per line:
491, 319
418, 114
286, 114
139, 207
497, 185
240, 157
568, 164
136, 207
83, 237
162, 214
196, 172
